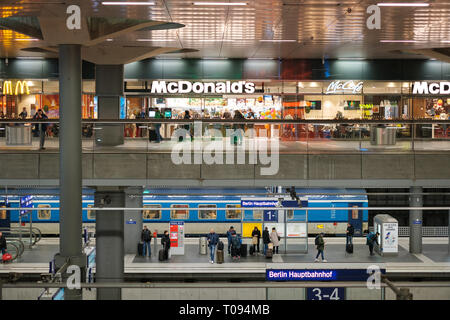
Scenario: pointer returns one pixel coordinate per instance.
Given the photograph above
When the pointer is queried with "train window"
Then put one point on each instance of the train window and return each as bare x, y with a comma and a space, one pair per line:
233, 214
91, 213
152, 214
44, 214
290, 214
207, 214
3, 213
355, 213
179, 213
258, 214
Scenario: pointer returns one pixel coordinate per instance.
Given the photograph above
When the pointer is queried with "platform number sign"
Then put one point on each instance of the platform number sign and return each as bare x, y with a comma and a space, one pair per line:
325, 294
271, 215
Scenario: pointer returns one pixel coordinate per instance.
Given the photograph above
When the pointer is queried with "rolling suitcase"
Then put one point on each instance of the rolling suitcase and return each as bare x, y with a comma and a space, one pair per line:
220, 257
243, 250
349, 248
269, 253
140, 249
252, 250
6, 257
161, 255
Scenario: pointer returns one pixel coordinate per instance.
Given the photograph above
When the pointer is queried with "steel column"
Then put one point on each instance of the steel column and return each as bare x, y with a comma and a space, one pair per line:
415, 220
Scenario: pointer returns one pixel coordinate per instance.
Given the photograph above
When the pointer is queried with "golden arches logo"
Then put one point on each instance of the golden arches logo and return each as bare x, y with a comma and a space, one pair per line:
20, 88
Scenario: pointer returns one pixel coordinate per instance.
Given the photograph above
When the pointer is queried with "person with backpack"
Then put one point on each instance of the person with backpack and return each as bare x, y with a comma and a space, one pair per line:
229, 233
256, 236
235, 246
213, 240
165, 241
320, 245
350, 232
146, 238
371, 239
266, 240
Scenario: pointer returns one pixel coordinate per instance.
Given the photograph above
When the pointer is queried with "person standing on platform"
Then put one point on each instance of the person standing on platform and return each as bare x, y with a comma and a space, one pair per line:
256, 236
158, 115
229, 233
40, 115
146, 238
371, 239
266, 240
24, 114
165, 241
213, 240
320, 245
275, 239
3, 246
350, 232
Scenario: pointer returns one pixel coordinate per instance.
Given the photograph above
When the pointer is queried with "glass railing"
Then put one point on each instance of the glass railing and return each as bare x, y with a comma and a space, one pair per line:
286, 136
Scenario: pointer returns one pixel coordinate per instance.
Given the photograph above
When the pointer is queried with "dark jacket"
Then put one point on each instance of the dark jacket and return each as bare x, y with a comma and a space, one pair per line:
351, 230
213, 239
235, 242
165, 241
256, 233
2, 242
371, 238
321, 244
266, 237
229, 235
44, 125
146, 236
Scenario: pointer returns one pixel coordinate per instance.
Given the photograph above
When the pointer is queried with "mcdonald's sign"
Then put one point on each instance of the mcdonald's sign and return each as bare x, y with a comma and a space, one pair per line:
20, 88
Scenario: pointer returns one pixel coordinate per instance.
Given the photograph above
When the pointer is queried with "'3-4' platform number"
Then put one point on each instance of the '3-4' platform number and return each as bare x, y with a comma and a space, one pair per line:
325, 294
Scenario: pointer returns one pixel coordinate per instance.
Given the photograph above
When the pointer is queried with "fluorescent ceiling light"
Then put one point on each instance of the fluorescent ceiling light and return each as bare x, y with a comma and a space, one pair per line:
124, 3
220, 3
398, 41
26, 39
405, 4
445, 41
156, 40
351, 58
264, 40
215, 40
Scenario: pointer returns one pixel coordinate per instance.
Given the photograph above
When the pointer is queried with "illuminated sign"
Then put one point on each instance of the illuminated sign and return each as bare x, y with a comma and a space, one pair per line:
431, 88
319, 274
345, 87
225, 87
20, 88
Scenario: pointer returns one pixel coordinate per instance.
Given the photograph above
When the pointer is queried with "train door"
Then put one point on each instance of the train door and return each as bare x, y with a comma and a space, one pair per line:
355, 217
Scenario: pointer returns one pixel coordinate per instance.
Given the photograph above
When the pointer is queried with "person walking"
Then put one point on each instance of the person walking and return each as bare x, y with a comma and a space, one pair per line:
275, 239
266, 240
350, 232
237, 135
320, 245
158, 115
256, 236
213, 240
146, 238
40, 115
371, 239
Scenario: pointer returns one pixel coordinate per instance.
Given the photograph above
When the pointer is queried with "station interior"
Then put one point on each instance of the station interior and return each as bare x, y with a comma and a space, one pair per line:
224, 150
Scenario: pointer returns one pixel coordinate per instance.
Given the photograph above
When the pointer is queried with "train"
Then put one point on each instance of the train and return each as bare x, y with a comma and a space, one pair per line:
221, 208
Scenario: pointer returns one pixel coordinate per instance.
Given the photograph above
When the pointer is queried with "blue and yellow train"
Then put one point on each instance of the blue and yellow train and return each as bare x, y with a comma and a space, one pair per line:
222, 208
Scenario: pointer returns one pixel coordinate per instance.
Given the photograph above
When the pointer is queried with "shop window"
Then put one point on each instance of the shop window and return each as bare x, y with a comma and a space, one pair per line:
91, 213
44, 214
233, 213
179, 213
153, 214
207, 214
258, 214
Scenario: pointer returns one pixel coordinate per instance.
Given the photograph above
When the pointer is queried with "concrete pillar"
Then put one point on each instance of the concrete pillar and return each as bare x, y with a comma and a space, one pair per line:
109, 241
109, 90
448, 234
415, 220
133, 219
70, 164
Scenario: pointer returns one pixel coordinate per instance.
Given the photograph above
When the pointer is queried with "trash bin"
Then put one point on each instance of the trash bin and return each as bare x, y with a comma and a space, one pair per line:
202, 245
18, 134
382, 135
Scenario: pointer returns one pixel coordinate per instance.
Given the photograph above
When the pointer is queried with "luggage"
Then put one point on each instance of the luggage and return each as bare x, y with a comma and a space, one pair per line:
316, 241
252, 250
140, 249
6, 257
220, 257
234, 251
220, 245
152, 135
269, 253
243, 250
161, 255
349, 248
255, 240
270, 245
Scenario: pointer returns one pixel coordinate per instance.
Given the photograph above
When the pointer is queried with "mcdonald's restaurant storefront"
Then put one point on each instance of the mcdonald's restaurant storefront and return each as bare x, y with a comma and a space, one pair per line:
15, 95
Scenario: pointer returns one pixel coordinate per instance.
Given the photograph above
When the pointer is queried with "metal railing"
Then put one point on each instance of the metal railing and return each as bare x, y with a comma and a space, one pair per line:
439, 231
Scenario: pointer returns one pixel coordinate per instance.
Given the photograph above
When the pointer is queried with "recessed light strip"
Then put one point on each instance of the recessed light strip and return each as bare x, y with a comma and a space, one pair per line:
220, 3
405, 4
124, 3
398, 41
268, 40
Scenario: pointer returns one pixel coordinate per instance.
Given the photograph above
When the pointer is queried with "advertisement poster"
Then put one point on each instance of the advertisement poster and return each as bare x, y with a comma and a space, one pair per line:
390, 237
296, 230
176, 234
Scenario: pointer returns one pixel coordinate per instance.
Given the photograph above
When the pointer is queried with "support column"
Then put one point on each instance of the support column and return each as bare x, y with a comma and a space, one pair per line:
133, 219
448, 231
109, 90
109, 241
415, 220
70, 164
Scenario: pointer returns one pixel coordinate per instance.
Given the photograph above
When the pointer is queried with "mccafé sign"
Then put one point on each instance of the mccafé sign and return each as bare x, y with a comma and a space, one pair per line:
21, 87
225, 87
431, 88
